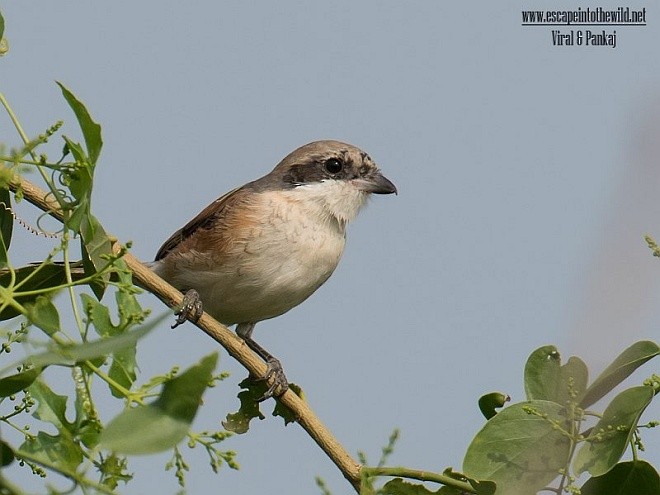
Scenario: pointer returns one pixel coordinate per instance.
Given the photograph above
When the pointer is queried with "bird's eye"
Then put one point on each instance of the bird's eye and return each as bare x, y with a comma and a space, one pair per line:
333, 165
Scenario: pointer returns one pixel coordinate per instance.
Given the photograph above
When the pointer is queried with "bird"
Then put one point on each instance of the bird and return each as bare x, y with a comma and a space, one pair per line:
263, 248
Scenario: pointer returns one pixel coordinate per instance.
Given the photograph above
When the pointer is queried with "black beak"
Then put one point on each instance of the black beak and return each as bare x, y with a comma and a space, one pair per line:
377, 184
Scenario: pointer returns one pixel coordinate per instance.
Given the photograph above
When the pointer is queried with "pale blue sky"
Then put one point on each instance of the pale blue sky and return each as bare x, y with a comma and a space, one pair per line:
527, 176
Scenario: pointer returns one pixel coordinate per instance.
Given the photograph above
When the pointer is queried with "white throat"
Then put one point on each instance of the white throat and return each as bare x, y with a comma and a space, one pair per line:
340, 199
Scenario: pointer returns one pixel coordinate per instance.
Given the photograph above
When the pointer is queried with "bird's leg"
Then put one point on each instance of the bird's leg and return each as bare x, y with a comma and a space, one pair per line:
280, 383
191, 308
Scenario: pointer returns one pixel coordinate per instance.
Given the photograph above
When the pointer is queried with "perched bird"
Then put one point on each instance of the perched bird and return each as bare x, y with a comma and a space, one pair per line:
265, 247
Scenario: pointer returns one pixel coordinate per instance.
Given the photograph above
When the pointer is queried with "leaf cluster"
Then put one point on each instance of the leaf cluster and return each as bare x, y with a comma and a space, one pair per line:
555, 436
67, 434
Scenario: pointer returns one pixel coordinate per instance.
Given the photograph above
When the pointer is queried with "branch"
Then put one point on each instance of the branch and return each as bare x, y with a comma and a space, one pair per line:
220, 333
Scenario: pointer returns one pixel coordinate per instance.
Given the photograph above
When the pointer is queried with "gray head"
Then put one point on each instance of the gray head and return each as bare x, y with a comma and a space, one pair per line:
325, 161
338, 177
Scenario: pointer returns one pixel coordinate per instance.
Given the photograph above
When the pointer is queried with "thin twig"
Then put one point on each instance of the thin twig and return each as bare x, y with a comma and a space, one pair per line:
220, 333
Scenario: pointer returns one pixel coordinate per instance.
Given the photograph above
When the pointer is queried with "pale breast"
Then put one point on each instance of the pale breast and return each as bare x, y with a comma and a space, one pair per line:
267, 267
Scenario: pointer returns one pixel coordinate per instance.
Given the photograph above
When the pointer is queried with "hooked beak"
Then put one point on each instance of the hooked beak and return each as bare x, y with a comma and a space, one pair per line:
376, 183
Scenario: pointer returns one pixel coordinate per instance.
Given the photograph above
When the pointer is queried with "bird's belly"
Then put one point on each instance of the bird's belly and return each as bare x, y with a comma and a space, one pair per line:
270, 272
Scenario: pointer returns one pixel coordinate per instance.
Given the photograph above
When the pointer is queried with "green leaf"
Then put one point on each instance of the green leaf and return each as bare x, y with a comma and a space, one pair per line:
6, 454
547, 379
521, 448
52, 407
489, 402
41, 277
610, 437
6, 223
44, 315
284, 412
91, 130
89, 433
480, 487
96, 248
483, 487
124, 364
164, 423
182, 395
143, 430
239, 422
20, 381
573, 379
2, 26
75, 353
56, 450
398, 486
98, 284
113, 470
622, 367
542, 373
626, 478
80, 179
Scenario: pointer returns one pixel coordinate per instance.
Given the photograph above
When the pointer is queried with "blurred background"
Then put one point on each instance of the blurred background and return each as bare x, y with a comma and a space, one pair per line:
527, 175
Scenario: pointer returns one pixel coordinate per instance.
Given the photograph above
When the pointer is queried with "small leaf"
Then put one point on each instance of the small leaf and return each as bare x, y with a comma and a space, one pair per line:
6, 454
96, 248
610, 437
547, 379
622, 367
626, 478
182, 395
51, 407
122, 369
2, 26
143, 430
91, 130
164, 423
521, 448
89, 433
489, 402
20, 381
284, 412
398, 486
542, 373
573, 379
41, 277
98, 284
6, 223
239, 422
75, 353
44, 315
57, 450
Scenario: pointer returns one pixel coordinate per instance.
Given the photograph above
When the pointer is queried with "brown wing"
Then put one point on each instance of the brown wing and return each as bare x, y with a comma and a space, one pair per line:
201, 221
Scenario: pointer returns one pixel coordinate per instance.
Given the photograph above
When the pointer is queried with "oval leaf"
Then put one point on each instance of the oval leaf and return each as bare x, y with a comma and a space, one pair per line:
574, 377
609, 438
542, 373
182, 395
91, 130
632, 477
520, 450
622, 367
44, 315
143, 430
164, 423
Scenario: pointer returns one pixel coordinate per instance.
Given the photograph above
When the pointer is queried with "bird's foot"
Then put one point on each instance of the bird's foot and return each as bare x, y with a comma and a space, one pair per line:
279, 385
191, 308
